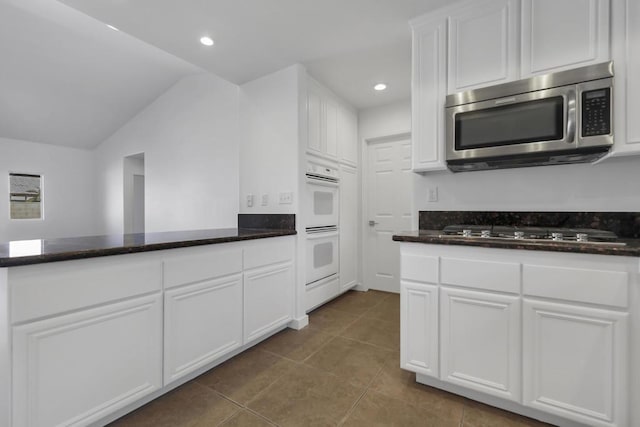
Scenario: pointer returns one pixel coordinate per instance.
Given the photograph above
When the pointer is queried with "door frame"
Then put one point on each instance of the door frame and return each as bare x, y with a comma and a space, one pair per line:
364, 217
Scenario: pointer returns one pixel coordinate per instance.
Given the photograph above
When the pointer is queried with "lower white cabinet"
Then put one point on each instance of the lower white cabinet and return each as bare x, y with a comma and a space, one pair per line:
419, 327
575, 362
268, 299
57, 381
480, 341
202, 322
349, 221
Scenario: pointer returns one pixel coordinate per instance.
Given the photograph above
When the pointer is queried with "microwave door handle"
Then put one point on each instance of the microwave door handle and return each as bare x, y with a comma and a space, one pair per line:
571, 116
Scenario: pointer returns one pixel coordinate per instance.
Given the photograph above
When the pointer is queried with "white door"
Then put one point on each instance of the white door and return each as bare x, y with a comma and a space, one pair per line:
389, 191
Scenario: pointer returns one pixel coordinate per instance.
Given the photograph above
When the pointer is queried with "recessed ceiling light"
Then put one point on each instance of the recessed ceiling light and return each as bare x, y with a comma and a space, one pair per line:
380, 86
112, 27
207, 41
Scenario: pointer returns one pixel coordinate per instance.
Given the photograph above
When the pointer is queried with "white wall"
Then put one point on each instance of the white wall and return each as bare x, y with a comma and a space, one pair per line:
68, 192
608, 186
269, 117
189, 137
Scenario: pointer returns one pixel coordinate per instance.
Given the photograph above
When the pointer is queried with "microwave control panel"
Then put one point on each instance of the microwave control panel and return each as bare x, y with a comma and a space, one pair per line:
596, 112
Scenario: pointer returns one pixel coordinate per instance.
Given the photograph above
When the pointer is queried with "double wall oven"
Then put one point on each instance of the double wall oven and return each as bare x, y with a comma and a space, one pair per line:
321, 215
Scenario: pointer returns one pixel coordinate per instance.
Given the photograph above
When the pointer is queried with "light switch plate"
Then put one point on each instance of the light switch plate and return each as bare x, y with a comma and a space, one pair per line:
265, 199
286, 198
250, 200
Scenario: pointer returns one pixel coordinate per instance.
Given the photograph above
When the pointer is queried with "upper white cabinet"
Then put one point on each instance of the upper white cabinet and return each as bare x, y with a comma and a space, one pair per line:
428, 90
558, 35
332, 127
626, 55
483, 45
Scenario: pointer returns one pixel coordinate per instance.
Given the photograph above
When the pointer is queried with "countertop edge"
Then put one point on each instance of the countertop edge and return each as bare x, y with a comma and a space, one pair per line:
123, 250
632, 251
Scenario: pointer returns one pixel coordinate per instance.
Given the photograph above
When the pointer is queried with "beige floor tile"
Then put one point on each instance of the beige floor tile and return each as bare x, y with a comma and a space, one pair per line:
330, 321
307, 397
246, 419
388, 309
244, 376
400, 384
355, 302
189, 405
373, 331
296, 345
480, 415
354, 361
378, 410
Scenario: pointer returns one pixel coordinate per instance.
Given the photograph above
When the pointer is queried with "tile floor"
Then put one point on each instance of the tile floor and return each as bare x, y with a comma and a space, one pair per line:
340, 370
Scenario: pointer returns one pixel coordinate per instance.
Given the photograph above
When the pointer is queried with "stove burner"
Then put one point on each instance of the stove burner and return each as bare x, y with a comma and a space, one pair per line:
578, 235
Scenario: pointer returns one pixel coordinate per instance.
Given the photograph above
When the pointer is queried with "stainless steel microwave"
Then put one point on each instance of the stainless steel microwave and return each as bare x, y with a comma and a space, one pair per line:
558, 118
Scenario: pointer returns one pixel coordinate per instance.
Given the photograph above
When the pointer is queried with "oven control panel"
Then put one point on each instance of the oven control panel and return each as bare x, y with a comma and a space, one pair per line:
596, 112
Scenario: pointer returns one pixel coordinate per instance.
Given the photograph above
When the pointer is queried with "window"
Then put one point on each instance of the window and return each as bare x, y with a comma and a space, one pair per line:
25, 196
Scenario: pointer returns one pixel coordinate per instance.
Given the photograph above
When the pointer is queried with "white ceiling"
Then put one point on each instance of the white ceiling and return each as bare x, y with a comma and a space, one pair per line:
348, 45
67, 79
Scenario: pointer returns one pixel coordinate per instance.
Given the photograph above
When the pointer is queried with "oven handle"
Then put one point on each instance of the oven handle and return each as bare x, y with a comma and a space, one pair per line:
315, 181
571, 116
321, 235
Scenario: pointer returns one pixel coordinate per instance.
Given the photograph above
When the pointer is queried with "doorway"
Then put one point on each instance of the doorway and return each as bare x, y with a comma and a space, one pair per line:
388, 194
133, 191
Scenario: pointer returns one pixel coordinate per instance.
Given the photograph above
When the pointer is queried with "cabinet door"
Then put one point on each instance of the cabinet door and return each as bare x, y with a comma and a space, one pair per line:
483, 45
480, 341
428, 90
314, 121
575, 362
565, 34
330, 128
347, 136
348, 227
202, 323
419, 328
77, 368
268, 299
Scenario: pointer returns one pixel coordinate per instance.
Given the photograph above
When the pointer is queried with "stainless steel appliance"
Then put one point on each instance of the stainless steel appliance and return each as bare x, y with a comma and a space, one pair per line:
587, 236
557, 118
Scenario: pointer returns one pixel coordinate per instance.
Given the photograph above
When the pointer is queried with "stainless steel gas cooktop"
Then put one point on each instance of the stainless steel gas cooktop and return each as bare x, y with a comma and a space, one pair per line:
537, 234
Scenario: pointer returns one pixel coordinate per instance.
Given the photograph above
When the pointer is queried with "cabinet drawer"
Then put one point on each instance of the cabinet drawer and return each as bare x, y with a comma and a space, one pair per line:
47, 289
197, 264
420, 268
268, 251
575, 284
486, 275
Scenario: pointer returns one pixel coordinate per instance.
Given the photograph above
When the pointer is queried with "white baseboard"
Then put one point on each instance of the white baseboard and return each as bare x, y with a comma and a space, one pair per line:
299, 323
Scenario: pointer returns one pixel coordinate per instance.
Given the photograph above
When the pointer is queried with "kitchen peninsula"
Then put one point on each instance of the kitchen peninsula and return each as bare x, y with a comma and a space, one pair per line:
93, 327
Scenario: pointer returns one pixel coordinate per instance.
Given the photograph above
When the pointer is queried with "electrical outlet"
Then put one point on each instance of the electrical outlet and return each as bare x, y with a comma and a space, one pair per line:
432, 194
286, 198
265, 199
250, 200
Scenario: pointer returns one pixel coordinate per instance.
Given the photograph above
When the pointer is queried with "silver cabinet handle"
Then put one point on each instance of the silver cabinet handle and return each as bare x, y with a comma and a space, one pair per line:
372, 223
571, 116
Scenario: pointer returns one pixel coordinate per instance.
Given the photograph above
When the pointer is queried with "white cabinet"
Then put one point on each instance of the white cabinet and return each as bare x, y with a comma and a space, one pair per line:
77, 368
269, 286
348, 227
480, 341
483, 44
428, 90
575, 362
419, 327
322, 122
203, 322
347, 136
558, 35
626, 56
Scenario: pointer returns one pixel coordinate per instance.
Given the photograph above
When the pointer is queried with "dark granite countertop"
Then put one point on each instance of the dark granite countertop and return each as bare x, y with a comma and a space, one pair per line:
632, 247
26, 252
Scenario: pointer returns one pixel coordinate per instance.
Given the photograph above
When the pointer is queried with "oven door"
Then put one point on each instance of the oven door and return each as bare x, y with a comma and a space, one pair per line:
532, 122
322, 254
322, 203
